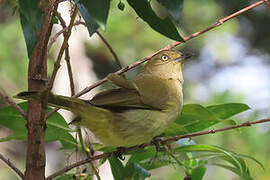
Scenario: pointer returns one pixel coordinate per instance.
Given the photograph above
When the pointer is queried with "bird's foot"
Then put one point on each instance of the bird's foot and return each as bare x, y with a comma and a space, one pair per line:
119, 153
157, 142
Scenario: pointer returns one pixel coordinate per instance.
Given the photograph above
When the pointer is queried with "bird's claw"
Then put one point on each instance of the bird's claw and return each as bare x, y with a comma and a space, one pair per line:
119, 153
157, 142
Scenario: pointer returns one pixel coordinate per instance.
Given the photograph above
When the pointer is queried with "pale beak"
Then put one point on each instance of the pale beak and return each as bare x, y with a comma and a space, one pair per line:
183, 57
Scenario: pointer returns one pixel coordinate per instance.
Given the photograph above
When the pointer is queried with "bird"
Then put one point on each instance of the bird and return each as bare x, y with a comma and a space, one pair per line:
134, 112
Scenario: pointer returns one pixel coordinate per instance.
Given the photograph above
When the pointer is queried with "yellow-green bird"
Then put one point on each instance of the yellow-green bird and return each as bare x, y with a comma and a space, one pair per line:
136, 112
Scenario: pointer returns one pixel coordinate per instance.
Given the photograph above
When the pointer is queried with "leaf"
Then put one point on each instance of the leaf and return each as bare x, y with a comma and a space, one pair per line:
142, 154
145, 156
57, 128
174, 7
31, 22
94, 12
91, 24
117, 168
231, 157
252, 158
194, 117
198, 172
235, 170
156, 164
225, 111
136, 172
163, 26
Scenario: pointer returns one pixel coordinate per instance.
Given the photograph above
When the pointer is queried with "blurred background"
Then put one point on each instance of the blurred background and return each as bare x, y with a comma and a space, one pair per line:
230, 64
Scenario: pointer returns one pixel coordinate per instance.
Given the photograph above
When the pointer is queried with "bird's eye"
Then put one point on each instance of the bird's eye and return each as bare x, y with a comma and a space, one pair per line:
164, 57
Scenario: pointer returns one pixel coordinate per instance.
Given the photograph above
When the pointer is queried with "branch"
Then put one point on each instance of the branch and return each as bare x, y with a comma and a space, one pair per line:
62, 49
67, 56
111, 49
170, 46
12, 166
12, 103
162, 142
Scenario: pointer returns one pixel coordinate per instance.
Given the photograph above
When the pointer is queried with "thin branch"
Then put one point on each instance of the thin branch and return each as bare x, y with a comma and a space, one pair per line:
12, 166
111, 49
67, 56
170, 46
162, 142
70, 74
62, 49
12, 103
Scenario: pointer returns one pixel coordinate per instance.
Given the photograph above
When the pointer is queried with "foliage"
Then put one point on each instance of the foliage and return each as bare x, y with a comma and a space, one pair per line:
57, 128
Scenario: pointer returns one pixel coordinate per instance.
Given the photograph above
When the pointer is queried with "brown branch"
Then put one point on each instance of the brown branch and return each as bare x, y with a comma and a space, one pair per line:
70, 74
67, 56
62, 49
162, 142
12, 166
12, 103
111, 50
170, 46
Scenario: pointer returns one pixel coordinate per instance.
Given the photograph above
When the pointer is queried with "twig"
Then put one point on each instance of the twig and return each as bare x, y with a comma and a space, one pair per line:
12, 166
12, 103
162, 141
53, 39
111, 50
170, 46
62, 49
70, 74
67, 56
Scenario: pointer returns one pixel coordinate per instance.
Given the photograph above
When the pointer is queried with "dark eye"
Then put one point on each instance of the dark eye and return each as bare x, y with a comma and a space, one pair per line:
164, 57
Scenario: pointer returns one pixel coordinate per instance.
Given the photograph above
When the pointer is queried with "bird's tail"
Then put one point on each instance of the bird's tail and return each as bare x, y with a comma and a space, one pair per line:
63, 102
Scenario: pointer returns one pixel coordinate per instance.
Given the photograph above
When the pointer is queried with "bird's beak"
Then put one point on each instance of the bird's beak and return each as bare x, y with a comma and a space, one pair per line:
183, 57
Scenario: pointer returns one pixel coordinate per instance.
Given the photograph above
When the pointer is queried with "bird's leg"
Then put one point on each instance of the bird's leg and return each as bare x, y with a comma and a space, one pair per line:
156, 141
119, 153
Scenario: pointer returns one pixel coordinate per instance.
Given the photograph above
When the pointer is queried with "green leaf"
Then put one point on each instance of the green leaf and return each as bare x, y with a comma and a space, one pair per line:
163, 26
198, 172
253, 159
174, 7
136, 172
91, 24
157, 164
225, 111
117, 168
31, 22
94, 11
57, 128
195, 117
142, 154
235, 170
224, 154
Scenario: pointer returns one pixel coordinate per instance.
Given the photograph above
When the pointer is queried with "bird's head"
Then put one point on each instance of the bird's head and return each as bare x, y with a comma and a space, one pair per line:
166, 64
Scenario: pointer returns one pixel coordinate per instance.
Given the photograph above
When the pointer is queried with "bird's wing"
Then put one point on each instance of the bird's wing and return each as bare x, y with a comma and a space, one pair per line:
120, 98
